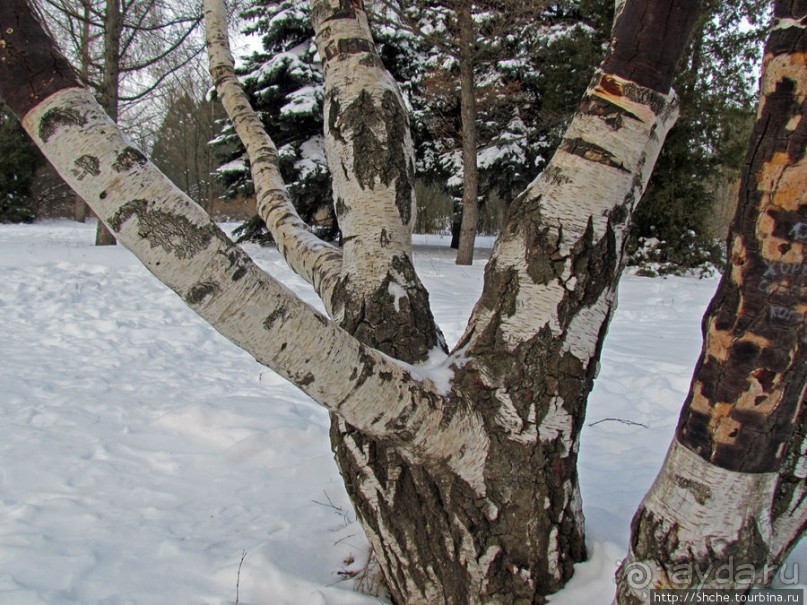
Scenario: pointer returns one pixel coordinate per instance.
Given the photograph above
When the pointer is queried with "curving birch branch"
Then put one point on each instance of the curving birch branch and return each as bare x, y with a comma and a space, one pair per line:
313, 259
178, 242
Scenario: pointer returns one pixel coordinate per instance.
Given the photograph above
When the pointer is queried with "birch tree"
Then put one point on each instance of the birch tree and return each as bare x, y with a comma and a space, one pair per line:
738, 463
462, 470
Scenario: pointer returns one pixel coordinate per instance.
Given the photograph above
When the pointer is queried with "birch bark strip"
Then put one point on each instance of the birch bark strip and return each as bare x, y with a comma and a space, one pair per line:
316, 261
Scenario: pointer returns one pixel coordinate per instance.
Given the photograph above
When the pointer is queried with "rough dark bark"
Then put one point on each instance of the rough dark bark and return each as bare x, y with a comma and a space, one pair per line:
650, 36
23, 47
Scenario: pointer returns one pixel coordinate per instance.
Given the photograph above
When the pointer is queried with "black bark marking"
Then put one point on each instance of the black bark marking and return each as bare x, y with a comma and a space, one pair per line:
700, 491
86, 165
378, 134
57, 118
172, 232
239, 260
322, 11
591, 152
198, 293
349, 46
128, 159
31, 67
278, 315
304, 380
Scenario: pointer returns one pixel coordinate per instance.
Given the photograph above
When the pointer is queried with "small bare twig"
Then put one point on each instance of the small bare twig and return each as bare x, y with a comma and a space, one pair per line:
345, 514
623, 421
238, 576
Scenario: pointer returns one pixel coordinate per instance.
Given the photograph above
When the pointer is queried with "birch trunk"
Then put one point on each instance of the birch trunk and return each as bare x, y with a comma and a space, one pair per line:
506, 526
467, 489
732, 489
370, 154
316, 261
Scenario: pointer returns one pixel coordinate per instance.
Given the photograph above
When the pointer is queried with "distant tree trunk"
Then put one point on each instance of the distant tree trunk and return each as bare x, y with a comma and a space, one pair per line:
470, 173
732, 488
110, 86
80, 208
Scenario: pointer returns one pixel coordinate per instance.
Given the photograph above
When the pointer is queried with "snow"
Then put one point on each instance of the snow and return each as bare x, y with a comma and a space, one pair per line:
303, 101
236, 165
141, 454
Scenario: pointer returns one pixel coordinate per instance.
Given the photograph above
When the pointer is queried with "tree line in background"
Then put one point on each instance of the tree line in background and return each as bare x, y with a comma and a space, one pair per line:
522, 80
526, 80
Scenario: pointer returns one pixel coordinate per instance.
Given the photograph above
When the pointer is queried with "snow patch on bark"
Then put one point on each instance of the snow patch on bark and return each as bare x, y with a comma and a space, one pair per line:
397, 292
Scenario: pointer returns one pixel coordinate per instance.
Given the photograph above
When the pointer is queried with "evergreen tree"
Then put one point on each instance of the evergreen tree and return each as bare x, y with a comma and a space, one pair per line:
19, 160
285, 84
529, 78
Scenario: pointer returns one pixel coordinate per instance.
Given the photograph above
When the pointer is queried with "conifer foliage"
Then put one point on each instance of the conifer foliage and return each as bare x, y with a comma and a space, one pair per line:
19, 160
285, 85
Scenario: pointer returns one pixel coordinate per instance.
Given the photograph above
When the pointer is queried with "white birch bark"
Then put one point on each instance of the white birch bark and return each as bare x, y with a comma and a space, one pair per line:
368, 144
316, 261
177, 241
589, 188
701, 512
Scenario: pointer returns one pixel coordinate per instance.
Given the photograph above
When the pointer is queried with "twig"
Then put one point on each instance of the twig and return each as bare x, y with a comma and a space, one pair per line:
238, 577
623, 421
330, 503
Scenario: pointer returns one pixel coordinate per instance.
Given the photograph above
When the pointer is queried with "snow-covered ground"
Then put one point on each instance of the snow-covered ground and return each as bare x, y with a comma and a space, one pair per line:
142, 455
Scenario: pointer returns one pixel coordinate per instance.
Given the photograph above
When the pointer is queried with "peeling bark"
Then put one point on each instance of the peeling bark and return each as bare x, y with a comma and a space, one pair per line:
741, 431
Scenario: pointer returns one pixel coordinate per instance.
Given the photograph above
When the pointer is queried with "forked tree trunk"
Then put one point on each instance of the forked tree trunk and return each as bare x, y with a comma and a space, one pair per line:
466, 485
732, 489
468, 114
506, 525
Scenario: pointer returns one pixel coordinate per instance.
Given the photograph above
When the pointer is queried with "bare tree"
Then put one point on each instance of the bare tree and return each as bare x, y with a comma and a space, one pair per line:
463, 473
126, 49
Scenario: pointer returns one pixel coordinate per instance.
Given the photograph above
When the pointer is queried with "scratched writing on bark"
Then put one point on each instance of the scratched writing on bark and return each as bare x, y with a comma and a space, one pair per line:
799, 232
779, 277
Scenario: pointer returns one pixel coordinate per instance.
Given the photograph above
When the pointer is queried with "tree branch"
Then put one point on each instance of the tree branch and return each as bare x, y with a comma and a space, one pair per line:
178, 242
157, 58
317, 262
